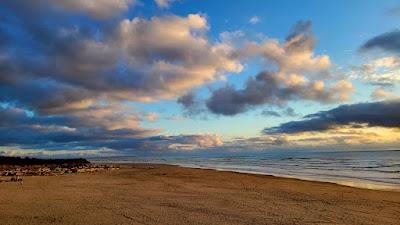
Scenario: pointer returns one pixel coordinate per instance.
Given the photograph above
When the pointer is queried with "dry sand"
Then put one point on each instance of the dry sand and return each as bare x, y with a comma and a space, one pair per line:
159, 194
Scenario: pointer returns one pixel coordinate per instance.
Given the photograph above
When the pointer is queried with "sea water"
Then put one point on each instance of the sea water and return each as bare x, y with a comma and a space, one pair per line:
364, 169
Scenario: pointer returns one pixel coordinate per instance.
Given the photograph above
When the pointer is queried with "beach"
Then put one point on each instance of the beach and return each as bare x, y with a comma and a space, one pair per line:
164, 194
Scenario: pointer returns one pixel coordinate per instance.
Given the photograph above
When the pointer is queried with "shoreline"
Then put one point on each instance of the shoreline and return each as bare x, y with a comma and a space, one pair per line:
370, 185
384, 186
167, 194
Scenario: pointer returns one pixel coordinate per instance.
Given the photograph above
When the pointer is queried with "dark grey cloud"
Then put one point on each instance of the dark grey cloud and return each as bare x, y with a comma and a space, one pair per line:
264, 89
270, 113
16, 117
270, 88
43, 95
28, 76
373, 114
289, 111
389, 41
300, 28
97, 9
187, 100
301, 37
192, 106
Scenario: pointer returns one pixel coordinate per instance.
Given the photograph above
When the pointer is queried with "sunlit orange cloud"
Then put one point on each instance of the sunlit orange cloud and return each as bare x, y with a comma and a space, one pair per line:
346, 135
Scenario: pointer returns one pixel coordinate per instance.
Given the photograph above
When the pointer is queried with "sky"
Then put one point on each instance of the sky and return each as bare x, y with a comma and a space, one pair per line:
156, 77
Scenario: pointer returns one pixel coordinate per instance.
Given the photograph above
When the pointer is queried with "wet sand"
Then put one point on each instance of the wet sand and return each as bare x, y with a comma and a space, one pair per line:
161, 194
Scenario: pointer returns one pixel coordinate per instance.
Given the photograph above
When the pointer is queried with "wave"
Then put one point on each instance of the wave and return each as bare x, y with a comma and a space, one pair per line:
379, 170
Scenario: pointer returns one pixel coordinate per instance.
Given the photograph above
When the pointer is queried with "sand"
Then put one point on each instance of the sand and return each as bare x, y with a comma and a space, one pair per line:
161, 194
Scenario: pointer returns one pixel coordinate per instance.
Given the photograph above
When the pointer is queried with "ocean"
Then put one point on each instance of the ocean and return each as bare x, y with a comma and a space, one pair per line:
379, 170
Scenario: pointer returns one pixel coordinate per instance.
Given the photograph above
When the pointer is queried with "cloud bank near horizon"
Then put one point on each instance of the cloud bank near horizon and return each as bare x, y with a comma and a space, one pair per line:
373, 114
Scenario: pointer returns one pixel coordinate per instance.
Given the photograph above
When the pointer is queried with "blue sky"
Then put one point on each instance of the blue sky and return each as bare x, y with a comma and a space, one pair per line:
123, 76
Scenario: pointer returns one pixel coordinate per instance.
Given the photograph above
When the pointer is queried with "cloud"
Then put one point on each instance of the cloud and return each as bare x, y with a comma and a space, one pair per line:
375, 114
386, 62
15, 151
191, 104
125, 62
380, 71
256, 144
254, 20
98, 9
190, 142
291, 76
150, 69
187, 100
164, 3
286, 112
116, 119
165, 143
270, 113
347, 137
272, 89
233, 38
151, 117
122, 62
389, 41
380, 93
46, 96
94, 129
68, 84
296, 54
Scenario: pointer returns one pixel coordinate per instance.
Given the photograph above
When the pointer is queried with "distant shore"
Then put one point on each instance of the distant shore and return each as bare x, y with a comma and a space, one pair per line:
164, 194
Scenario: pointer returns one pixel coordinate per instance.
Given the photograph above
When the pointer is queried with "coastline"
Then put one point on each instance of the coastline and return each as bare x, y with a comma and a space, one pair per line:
167, 194
350, 182
368, 186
